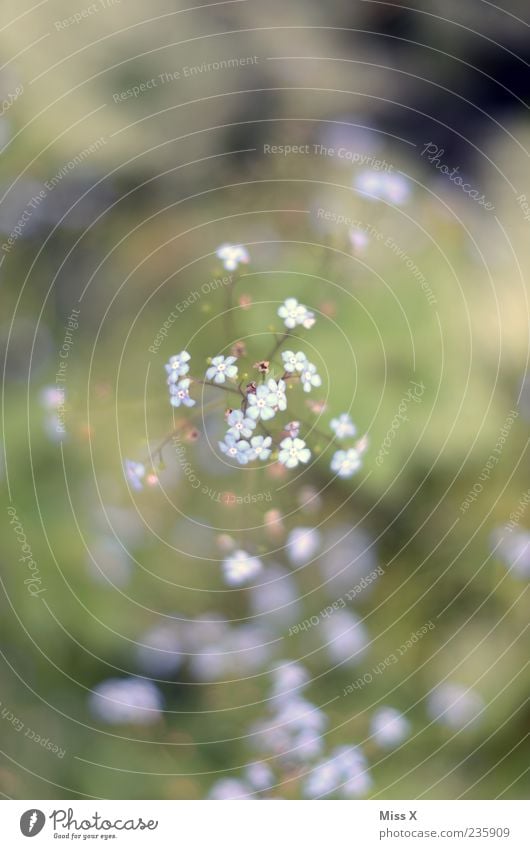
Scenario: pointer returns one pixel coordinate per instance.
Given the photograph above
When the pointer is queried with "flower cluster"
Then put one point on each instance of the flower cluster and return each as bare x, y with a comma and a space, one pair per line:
345, 462
247, 438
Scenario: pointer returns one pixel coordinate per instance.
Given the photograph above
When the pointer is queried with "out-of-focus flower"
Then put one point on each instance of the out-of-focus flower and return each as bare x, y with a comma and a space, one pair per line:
302, 544
295, 314
346, 637
240, 425
240, 568
126, 700
359, 240
232, 255
230, 788
109, 562
177, 366
135, 473
309, 377
344, 773
342, 426
514, 549
221, 368
389, 727
259, 775
454, 705
159, 651
287, 678
379, 185
276, 600
346, 463
293, 452
52, 397
237, 449
261, 404
294, 362
260, 447
309, 499
292, 429
179, 393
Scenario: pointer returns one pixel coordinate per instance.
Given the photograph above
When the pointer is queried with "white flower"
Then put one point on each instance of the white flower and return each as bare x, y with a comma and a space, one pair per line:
359, 240
277, 397
237, 449
454, 705
159, 651
221, 368
179, 393
288, 676
232, 255
229, 788
344, 773
126, 700
177, 366
346, 463
261, 447
302, 543
239, 424
261, 403
240, 567
343, 426
379, 185
346, 637
389, 727
294, 314
259, 775
293, 452
309, 377
294, 362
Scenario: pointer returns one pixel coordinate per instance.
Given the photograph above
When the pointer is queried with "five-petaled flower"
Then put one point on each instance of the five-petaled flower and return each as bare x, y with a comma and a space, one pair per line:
343, 426
221, 368
294, 362
309, 377
293, 452
260, 447
294, 314
346, 463
237, 449
240, 425
179, 393
240, 567
177, 366
261, 403
277, 392
232, 255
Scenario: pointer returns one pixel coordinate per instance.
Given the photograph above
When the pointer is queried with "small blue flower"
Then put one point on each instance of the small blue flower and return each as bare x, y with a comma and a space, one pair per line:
343, 426
309, 377
237, 449
232, 255
240, 425
179, 393
277, 396
293, 452
135, 473
261, 403
221, 368
261, 449
177, 366
346, 463
294, 313
294, 362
